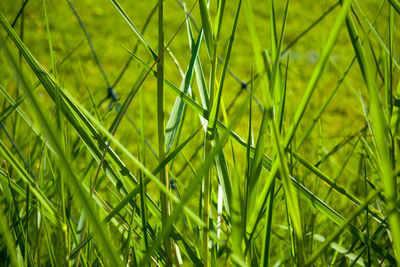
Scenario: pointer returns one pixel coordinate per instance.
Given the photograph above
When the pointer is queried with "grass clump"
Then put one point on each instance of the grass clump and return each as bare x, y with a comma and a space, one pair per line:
199, 133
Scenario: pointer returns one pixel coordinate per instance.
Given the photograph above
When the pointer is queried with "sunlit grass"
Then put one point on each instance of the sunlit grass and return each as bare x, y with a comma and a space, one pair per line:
205, 140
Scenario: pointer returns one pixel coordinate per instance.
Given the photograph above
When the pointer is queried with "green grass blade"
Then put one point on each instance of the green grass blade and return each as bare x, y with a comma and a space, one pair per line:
208, 31
217, 101
219, 18
256, 162
318, 70
201, 81
176, 113
134, 28
224, 179
165, 205
396, 5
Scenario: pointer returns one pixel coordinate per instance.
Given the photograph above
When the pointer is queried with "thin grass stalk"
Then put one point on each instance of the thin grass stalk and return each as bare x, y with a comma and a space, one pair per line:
245, 203
208, 32
215, 107
390, 81
209, 173
390, 94
128, 241
363, 173
219, 18
160, 127
276, 93
212, 45
267, 232
143, 208
384, 147
220, 162
273, 35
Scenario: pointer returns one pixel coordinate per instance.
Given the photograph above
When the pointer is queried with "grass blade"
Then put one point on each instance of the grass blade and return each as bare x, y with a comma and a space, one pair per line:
176, 114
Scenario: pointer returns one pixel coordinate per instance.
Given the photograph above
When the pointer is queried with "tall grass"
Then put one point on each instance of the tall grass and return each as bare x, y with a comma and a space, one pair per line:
230, 182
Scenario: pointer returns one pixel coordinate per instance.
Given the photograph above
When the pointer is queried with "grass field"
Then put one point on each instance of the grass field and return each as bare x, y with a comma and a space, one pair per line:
188, 133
